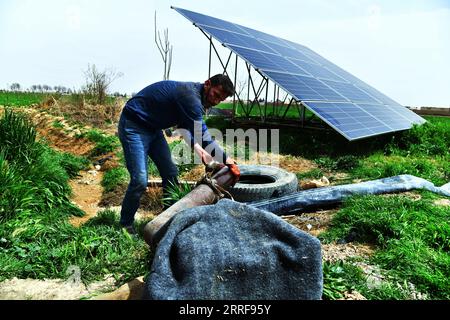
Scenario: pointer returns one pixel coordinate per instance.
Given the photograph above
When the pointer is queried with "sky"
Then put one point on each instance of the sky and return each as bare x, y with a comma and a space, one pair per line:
402, 48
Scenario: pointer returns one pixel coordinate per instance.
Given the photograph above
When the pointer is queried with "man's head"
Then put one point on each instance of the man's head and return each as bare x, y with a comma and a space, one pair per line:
216, 89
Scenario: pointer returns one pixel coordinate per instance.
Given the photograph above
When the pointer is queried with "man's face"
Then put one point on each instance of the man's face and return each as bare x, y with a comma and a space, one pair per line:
213, 94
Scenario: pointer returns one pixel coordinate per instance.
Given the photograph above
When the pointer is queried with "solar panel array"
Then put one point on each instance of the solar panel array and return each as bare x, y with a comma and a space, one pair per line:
352, 107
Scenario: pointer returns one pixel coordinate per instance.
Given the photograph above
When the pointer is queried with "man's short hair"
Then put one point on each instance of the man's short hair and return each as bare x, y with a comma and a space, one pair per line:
224, 81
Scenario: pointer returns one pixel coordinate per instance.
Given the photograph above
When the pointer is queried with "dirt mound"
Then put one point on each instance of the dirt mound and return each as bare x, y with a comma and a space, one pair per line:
58, 133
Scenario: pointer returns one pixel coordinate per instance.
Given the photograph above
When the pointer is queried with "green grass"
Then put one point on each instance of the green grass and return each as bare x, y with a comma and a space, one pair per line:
45, 247
181, 166
176, 192
114, 177
338, 278
423, 151
311, 174
430, 139
33, 176
103, 143
72, 164
380, 165
57, 124
18, 99
413, 237
36, 239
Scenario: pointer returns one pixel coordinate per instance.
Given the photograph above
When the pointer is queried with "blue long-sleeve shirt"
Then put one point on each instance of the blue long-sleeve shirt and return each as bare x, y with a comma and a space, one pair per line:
169, 103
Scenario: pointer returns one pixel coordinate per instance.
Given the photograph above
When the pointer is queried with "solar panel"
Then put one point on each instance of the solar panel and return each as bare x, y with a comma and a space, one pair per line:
304, 88
350, 120
350, 106
237, 39
268, 61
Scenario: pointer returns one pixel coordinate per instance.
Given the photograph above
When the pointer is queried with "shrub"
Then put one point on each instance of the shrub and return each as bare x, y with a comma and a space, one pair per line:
103, 143
431, 138
114, 177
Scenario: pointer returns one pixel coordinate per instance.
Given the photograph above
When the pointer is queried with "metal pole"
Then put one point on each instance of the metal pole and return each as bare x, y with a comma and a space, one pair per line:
278, 95
210, 51
303, 115
274, 103
228, 61
235, 79
218, 56
265, 100
289, 105
248, 88
257, 94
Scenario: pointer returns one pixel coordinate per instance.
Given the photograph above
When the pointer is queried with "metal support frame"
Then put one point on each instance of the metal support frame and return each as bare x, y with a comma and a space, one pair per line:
278, 115
257, 93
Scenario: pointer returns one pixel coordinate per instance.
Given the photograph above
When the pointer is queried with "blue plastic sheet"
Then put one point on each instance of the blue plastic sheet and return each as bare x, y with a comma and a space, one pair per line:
326, 196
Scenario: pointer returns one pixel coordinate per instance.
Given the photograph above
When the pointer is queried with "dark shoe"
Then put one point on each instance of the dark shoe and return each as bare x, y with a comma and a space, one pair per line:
130, 229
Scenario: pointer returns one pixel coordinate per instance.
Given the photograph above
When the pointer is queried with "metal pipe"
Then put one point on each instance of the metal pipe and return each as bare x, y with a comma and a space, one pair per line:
201, 195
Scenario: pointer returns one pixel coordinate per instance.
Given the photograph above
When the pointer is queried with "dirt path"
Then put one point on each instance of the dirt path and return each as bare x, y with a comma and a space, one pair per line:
86, 193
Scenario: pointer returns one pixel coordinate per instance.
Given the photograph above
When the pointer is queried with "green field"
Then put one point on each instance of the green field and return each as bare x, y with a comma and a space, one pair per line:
18, 99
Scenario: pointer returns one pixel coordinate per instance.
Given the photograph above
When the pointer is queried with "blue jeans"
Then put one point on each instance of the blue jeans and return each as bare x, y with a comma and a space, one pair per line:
138, 144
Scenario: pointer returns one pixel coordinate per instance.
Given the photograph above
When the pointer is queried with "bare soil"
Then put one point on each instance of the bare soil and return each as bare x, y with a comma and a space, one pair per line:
86, 192
52, 289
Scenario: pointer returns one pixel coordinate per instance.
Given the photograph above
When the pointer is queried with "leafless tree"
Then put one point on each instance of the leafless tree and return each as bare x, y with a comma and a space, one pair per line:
165, 49
15, 87
240, 86
98, 82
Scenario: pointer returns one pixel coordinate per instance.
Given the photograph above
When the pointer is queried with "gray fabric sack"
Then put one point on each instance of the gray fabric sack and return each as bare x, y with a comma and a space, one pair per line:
231, 251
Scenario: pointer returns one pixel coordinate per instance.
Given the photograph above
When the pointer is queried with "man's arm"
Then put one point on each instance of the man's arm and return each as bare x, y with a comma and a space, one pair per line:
202, 140
191, 109
202, 153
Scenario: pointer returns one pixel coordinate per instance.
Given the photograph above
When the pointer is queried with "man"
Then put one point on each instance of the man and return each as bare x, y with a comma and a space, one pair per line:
159, 106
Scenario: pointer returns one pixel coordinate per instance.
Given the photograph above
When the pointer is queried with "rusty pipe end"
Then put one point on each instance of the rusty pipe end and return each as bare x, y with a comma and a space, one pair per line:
200, 195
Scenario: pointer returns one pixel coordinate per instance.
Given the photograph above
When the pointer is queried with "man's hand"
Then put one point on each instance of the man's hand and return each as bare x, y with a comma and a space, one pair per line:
211, 165
234, 169
206, 158
214, 166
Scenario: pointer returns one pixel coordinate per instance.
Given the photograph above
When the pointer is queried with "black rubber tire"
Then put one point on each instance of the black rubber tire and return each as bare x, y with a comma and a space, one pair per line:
276, 183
